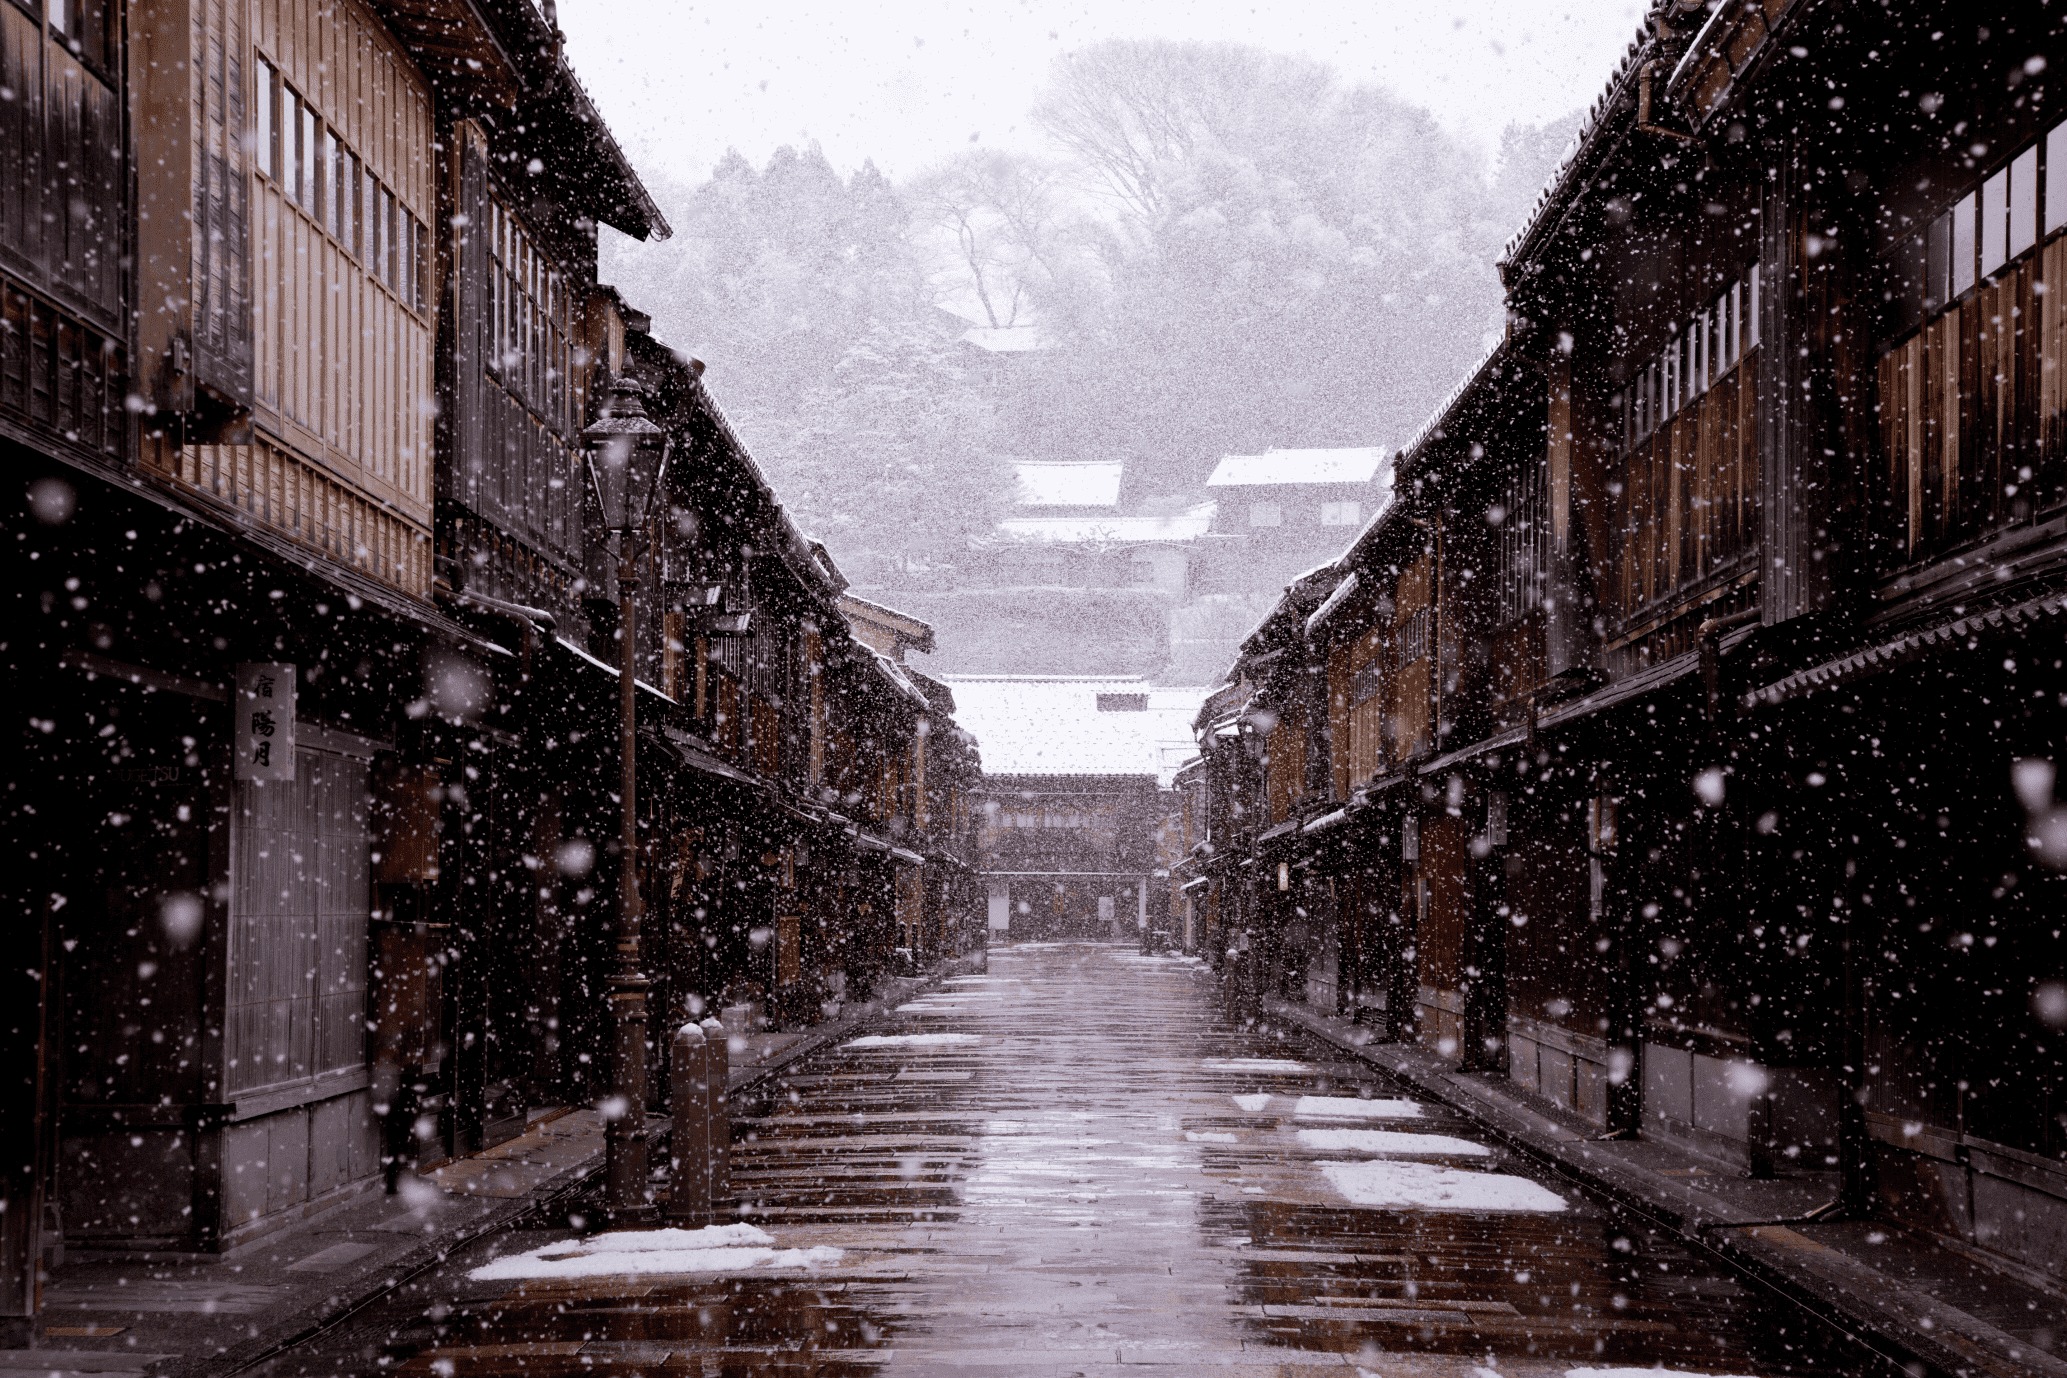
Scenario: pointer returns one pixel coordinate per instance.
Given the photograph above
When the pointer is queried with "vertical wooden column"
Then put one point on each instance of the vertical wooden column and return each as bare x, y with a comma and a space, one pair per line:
1569, 643
463, 472
1485, 941
1614, 855
1403, 1002
1800, 440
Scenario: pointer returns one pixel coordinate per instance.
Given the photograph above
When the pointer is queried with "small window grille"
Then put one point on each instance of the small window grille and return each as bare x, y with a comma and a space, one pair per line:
1524, 539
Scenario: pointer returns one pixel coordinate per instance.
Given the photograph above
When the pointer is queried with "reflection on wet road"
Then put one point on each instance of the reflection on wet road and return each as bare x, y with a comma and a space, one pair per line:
1072, 1165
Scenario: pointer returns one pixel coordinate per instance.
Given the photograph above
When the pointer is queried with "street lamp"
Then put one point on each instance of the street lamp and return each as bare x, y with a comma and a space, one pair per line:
627, 460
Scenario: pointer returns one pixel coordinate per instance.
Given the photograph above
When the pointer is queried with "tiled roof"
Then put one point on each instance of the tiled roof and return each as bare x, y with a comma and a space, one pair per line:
1555, 192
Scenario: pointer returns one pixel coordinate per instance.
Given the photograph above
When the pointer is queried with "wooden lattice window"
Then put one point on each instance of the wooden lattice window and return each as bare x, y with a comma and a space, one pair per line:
533, 351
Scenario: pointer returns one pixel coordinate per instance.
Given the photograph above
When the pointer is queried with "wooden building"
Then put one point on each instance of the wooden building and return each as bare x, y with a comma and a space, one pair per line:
1681, 740
241, 477
1075, 784
316, 632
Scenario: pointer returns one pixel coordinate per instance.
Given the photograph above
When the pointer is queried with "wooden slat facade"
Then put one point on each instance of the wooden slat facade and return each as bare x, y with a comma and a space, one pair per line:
338, 452
222, 92
61, 380
62, 169
1973, 414
517, 396
1285, 769
1688, 516
343, 362
63, 202
1357, 694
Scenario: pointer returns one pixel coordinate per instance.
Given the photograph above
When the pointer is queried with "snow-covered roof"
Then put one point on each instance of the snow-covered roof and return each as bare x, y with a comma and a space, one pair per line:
1357, 465
899, 680
1169, 528
1039, 725
1006, 339
1069, 485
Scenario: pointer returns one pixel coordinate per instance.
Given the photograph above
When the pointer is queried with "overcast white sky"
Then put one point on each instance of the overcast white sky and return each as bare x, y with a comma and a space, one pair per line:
908, 82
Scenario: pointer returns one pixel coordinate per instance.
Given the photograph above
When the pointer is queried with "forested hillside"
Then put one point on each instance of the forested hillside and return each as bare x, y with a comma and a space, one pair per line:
1221, 250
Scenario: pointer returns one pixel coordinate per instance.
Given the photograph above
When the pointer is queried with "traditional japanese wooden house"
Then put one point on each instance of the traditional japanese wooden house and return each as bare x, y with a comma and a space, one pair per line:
1702, 682
318, 640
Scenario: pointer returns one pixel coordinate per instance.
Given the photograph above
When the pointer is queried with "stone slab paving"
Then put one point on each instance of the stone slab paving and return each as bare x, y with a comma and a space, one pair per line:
1930, 1301
178, 1314
1072, 1166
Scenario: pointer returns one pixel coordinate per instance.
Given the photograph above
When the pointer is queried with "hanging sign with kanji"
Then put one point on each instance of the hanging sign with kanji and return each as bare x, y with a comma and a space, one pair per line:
265, 721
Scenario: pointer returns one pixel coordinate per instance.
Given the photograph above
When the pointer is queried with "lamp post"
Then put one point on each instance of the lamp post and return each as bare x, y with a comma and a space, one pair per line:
627, 459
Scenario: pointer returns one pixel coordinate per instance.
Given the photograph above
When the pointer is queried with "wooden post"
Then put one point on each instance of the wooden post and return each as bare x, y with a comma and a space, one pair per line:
1569, 644
1798, 467
1485, 941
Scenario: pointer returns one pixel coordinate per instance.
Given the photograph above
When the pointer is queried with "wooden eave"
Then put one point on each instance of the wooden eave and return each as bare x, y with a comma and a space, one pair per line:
458, 50
1727, 55
502, 62
761, 511
1417, 476
593, 174
1577, 173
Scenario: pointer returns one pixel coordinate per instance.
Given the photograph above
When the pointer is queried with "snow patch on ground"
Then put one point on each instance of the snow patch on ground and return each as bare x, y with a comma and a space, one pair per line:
1354, 1108
1255, 1064
1253, 1104
912, 1040
714, 1249
1208, 1136
1390, 1141
1424, 1186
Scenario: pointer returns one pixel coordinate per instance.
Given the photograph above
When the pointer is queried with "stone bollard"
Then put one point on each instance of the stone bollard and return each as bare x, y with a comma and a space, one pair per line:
689, 1151
719, 1123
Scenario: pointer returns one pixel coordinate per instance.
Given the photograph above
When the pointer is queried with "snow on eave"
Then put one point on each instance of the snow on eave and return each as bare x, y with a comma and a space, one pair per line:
1563, 182
899, 681
1288, 603
912, 631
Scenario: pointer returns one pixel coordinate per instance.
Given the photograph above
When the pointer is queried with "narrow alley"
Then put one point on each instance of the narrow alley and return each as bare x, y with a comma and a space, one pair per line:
1071, 1165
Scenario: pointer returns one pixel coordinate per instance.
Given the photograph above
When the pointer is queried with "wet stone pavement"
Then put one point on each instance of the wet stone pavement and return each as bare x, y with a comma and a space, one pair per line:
1073, 1166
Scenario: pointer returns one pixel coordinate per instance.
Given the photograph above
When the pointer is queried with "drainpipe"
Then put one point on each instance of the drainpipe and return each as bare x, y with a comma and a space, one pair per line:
1709, 639
1643, 106
552, 21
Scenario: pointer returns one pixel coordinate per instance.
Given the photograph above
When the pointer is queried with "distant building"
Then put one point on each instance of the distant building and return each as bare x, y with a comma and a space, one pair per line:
1079, 579
1069, 582
885, 630
1075, 772
1292, 508
1075, 485
1000, 354
1067, 532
